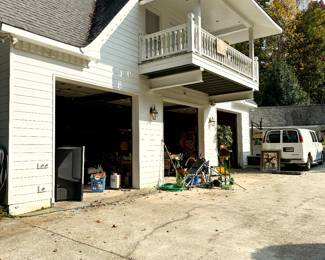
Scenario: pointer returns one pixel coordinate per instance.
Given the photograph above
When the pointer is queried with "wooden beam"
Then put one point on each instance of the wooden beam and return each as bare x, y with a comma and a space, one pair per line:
176, 80
242, 95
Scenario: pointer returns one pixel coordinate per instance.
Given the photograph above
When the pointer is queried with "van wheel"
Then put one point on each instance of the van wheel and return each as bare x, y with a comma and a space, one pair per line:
321, 159
308, 164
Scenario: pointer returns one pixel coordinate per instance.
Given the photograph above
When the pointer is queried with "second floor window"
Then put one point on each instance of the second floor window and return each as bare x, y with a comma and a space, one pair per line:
152, 22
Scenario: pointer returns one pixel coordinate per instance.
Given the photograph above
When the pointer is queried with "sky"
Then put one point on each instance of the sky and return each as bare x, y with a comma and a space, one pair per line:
304, 3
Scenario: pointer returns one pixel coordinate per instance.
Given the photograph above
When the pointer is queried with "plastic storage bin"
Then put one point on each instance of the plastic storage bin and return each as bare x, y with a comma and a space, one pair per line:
97, 183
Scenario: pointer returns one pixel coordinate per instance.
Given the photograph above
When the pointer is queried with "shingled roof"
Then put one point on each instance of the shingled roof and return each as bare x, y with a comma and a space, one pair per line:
74, 22
289, 115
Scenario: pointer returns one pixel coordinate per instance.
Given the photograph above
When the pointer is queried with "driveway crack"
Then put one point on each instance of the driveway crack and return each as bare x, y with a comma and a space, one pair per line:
188, 214
305, 201
79, 242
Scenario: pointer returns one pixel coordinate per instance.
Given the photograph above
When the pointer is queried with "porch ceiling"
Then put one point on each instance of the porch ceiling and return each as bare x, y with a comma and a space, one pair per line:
214, 85
228, 19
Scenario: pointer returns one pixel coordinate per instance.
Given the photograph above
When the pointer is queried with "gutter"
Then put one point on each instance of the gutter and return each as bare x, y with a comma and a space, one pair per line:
247, 103
280, 30
144, 2
19, 34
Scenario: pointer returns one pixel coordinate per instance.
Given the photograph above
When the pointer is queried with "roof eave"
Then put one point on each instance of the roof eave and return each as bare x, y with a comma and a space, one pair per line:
274, 24
20, 34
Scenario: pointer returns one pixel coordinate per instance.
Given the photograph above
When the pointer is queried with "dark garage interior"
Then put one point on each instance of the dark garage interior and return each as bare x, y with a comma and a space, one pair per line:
99, 121
230, 119
180, 131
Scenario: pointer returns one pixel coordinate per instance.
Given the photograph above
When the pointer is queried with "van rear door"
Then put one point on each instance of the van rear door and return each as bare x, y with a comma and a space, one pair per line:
272, 141
291, 146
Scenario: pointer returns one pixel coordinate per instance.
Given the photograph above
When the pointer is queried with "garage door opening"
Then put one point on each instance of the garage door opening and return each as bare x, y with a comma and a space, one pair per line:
180, 133
230, 119
93, 129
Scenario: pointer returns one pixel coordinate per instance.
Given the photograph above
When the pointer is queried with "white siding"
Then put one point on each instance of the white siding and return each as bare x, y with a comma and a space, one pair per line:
208, 133
245, 137
32, 127
32, 110
4, 93
151, 146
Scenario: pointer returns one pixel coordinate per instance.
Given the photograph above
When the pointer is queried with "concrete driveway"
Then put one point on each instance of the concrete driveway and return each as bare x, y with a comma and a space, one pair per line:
277, 217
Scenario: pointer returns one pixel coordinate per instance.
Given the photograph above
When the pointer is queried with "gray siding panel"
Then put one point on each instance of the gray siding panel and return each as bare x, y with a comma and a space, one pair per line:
4, 93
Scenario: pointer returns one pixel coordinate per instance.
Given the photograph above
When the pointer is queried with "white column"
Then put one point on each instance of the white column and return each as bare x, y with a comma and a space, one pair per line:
251, 43
198, 22
244, 137
207, 134
251, 47
190, 32
148, 153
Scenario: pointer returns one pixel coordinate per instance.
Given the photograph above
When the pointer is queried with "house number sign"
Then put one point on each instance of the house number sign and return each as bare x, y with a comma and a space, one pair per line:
42, 166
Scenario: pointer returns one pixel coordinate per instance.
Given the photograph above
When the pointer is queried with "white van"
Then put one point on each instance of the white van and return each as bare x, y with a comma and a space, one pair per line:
297, 146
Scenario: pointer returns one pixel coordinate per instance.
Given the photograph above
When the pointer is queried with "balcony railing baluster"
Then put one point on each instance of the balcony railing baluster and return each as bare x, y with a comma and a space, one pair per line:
185, 38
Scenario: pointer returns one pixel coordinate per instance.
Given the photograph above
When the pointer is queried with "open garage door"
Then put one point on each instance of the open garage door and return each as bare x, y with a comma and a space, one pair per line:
230, 119
180, 132
101, 123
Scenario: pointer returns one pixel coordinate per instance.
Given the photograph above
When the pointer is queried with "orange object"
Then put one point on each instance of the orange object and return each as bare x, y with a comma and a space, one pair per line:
99, 175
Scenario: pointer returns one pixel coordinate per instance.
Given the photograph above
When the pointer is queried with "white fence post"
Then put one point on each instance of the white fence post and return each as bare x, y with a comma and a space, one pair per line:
199, 34
190, 32
256, 69
251, 48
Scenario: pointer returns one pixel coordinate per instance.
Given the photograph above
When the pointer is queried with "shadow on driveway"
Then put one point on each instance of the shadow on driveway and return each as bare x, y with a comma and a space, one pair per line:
294, 251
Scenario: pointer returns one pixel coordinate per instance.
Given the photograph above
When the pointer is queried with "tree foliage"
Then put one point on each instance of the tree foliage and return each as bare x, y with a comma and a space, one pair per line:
292, 63
308, 51
282, 86
224, 136
263, 3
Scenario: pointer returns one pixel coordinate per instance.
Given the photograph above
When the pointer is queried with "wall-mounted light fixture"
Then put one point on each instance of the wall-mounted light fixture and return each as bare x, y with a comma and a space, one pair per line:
153, 113
212, 120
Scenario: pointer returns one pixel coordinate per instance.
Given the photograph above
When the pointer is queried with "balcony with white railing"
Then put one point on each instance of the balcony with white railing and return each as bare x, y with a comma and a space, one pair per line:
190, 38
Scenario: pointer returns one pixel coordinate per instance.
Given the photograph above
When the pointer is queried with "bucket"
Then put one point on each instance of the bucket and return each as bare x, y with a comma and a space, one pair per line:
196, 180
97, 184
189, 179
115, 181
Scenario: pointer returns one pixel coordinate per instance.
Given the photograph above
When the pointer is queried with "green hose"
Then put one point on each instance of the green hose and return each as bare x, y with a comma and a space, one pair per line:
170, 187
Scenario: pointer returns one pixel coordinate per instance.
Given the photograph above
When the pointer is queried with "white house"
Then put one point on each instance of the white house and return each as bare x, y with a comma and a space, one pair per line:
97, 73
